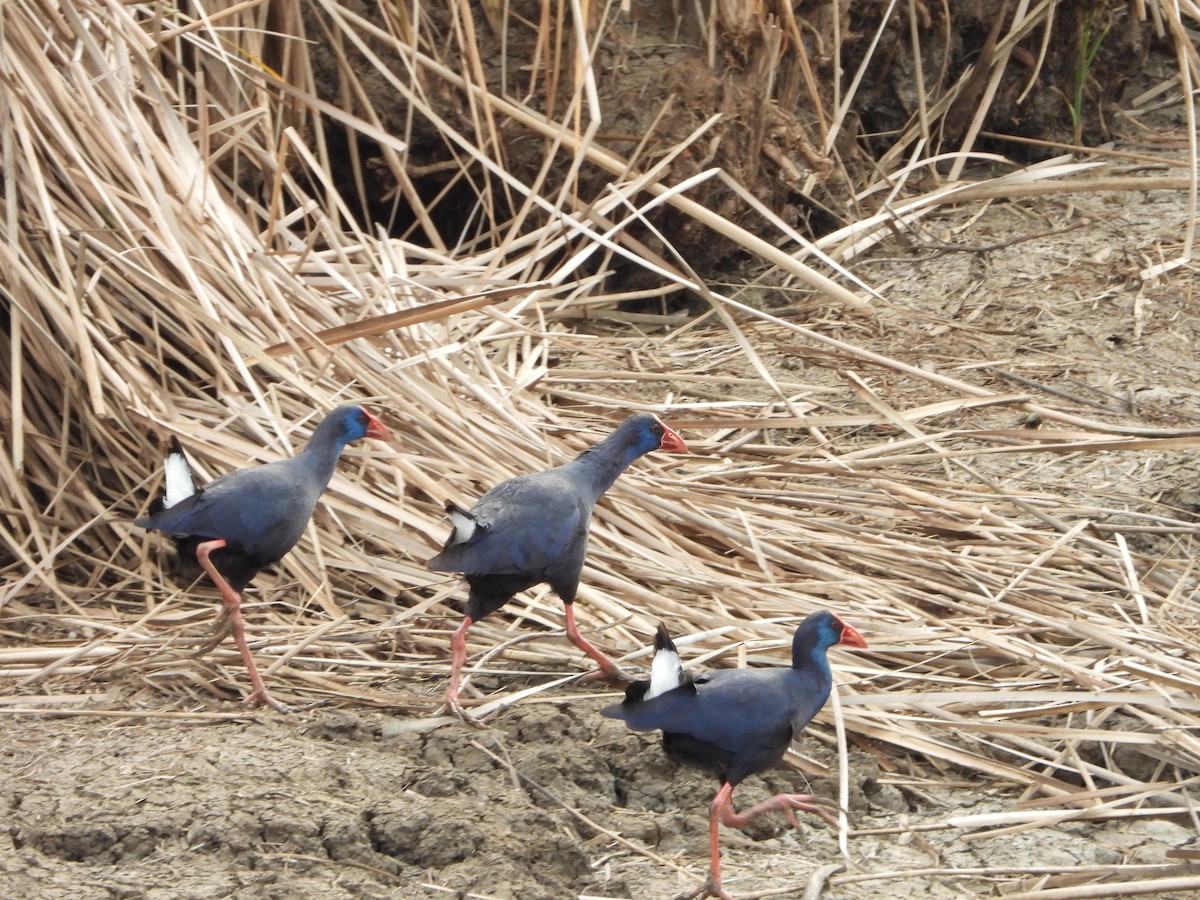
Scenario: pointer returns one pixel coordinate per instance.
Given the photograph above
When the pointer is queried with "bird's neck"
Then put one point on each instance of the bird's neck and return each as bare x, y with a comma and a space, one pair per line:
814, 665
321, 457
598, 467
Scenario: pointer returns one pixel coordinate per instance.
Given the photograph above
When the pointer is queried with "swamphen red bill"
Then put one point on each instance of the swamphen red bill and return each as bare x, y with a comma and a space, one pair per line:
248, 519
534, 529
737, 722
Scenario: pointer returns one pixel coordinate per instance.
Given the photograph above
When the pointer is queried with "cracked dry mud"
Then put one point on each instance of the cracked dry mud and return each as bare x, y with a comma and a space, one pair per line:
334, 804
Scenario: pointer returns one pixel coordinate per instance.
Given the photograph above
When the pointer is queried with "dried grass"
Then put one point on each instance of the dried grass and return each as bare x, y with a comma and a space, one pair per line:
178, 262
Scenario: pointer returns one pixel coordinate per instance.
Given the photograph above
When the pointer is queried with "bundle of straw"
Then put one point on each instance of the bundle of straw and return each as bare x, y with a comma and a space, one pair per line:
178, 260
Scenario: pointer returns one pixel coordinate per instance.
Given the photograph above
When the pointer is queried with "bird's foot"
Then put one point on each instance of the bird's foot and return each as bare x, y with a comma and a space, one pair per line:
454, 708
825, 808
609, 670
710, 888
315, 704
466, 718
788, 804
220, 630
260, 695
612, 673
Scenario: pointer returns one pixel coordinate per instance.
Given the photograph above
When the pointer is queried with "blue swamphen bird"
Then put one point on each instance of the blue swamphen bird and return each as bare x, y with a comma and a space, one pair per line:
737, 722
534, 528
248, 519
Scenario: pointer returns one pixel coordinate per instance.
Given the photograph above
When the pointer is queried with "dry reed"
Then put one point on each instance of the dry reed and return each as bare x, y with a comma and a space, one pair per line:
178, 261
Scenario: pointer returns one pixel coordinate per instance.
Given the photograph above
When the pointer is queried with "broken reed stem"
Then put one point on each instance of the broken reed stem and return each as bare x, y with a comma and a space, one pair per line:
159, 293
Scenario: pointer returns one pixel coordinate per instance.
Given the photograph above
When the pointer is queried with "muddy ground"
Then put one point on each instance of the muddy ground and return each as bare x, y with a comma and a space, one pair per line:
554, 801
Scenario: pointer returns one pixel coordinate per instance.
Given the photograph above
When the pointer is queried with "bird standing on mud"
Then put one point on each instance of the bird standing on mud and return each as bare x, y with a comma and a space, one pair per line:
534, 528
737, 722
249, 518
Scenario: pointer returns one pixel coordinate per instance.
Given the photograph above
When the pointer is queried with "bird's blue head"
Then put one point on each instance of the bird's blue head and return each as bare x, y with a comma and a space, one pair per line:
818, 632
644, 432
346, 424
598, 466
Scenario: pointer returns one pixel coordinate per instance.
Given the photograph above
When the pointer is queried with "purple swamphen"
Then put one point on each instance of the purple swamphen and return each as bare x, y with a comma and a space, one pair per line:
534, 528
248, 519
737, 722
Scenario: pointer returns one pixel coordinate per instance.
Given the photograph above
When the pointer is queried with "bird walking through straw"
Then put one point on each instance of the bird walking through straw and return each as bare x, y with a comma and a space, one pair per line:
248, 519
534, 528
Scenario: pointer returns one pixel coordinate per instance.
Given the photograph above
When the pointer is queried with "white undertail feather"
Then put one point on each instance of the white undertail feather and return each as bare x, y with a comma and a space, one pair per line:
666, 672
464, 525
179, 482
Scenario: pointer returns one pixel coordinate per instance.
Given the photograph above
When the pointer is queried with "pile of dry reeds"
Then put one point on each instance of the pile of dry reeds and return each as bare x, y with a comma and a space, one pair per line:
178, 260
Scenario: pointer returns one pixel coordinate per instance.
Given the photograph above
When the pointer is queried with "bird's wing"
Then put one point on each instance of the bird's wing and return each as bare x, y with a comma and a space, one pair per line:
257, 508
727, 708
522, 525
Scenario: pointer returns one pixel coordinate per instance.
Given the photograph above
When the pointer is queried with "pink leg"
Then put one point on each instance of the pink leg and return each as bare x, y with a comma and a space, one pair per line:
458, 658
608, 669
721, 812
712, 884
233, 612
784, 803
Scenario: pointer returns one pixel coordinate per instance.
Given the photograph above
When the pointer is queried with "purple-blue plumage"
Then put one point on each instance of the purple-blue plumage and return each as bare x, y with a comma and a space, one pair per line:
738, 722
249, 518
261, 512
534, 529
